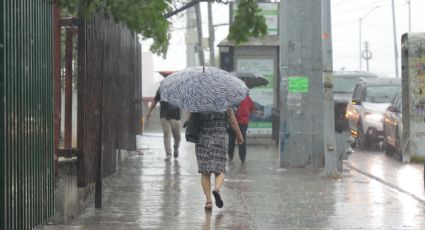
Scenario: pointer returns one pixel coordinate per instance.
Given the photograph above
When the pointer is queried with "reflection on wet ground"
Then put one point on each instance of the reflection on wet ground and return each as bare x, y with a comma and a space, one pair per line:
408, 178
149, 193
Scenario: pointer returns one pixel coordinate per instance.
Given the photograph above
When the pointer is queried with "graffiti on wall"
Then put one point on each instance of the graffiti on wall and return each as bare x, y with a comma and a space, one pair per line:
417, 81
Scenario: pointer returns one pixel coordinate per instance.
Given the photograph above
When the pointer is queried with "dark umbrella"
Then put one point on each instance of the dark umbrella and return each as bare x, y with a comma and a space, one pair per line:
251, 79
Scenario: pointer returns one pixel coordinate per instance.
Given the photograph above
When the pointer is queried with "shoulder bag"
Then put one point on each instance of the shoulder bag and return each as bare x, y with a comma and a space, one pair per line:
192, 128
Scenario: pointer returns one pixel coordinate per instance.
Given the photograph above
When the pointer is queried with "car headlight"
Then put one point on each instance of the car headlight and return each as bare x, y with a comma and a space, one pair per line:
374, 116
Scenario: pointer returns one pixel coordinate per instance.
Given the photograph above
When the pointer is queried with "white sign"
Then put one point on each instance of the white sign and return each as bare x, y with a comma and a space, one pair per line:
270, 13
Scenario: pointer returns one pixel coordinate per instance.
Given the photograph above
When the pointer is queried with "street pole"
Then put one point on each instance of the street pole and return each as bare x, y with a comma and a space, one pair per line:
331, 156
211, 36
360, 34
367, 55
191, 37
360, 43
301, 124
409, 3
200, 36
395, 42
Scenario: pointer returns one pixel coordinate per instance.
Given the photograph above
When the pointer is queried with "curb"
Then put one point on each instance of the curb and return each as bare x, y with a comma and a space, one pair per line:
420, 199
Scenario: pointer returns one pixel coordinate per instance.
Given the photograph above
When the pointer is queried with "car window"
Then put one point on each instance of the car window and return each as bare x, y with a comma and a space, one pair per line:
356, 94
381, 94
399, 104
363, 94
345, 84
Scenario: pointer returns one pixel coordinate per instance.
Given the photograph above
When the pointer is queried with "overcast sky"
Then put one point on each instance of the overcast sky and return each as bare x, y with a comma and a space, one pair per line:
376, 29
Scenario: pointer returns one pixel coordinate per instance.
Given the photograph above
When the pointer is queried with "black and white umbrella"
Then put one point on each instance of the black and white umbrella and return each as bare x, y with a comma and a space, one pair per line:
203, 89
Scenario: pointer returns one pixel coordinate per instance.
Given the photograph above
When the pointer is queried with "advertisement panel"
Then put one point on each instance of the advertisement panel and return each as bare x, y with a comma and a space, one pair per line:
270, 13
261, 118
417, 80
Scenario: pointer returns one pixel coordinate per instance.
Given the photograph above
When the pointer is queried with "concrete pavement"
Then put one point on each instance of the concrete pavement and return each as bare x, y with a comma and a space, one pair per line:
406, 178
149, 193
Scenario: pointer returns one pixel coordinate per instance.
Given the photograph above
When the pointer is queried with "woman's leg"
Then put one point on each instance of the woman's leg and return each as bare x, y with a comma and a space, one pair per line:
206, 185
242, 147
219, 179
231, 149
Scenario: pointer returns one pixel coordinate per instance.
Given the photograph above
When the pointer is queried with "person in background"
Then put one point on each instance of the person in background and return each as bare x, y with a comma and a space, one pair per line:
211, 151
170, 121
242, 116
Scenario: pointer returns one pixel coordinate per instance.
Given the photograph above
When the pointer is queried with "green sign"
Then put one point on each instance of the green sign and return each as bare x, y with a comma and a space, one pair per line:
298, 84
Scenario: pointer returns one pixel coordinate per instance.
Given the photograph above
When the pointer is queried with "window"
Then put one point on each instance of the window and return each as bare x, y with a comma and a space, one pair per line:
356, 94
381, 93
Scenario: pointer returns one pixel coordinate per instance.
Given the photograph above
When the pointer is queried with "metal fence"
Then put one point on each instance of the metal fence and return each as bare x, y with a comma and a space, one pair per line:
26, 114
109, 81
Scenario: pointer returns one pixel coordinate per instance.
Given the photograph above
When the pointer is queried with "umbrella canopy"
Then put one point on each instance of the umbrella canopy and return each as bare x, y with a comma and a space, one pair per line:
166, 73
251, 79
203, 89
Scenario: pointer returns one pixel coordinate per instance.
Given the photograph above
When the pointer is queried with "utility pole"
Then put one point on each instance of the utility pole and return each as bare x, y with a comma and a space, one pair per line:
395, 42
200, 36
367, 54
191, 37
331, 156
409, 4
301, 130
211, 36
360, 43
360, 34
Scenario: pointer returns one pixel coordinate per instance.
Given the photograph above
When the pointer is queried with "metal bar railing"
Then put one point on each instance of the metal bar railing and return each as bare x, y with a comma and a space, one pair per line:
26, 139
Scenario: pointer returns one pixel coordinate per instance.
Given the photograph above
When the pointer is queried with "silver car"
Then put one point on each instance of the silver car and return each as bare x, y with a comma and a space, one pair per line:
393, 127
366, 111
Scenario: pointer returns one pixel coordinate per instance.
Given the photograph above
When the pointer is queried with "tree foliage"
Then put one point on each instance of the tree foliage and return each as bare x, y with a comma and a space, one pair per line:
152, 18
248, 22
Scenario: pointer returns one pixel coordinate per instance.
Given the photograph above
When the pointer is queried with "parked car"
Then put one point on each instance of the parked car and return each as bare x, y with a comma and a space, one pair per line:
344, 83
365, 113
393, 127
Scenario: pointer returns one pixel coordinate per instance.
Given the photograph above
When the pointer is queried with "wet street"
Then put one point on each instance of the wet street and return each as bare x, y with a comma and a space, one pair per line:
149, 193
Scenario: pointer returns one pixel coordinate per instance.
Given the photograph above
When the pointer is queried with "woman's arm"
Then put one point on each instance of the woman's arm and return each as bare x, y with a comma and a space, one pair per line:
234, 125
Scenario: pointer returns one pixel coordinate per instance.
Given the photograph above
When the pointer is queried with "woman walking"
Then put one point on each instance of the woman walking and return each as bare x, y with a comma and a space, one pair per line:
211, 151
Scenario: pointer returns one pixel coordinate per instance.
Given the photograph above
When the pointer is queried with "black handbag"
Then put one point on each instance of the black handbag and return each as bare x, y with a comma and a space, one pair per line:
192, 128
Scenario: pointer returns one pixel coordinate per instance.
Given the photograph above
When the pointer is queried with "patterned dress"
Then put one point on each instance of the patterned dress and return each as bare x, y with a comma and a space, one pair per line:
211, 148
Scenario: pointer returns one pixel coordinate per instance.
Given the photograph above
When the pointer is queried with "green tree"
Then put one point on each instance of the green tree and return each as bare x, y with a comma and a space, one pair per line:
152, 18
248, 22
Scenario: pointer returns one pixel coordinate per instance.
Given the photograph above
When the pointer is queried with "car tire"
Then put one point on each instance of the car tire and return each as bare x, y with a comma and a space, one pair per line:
361, 140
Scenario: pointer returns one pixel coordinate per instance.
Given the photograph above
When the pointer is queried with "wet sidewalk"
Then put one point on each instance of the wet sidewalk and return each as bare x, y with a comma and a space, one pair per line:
406, 178
149, 193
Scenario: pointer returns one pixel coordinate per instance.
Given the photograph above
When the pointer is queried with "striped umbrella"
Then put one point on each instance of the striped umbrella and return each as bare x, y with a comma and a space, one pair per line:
203, 89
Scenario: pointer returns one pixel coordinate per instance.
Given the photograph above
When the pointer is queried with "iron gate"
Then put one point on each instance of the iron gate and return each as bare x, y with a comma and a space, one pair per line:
26, 113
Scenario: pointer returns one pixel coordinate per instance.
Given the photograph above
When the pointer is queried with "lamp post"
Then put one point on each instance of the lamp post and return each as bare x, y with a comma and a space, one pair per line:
360, 34
395, 42
408, 2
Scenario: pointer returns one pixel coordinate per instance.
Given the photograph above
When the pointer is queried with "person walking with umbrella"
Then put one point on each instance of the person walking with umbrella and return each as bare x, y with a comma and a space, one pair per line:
244, 110
208, 93
242, 117
211, 151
